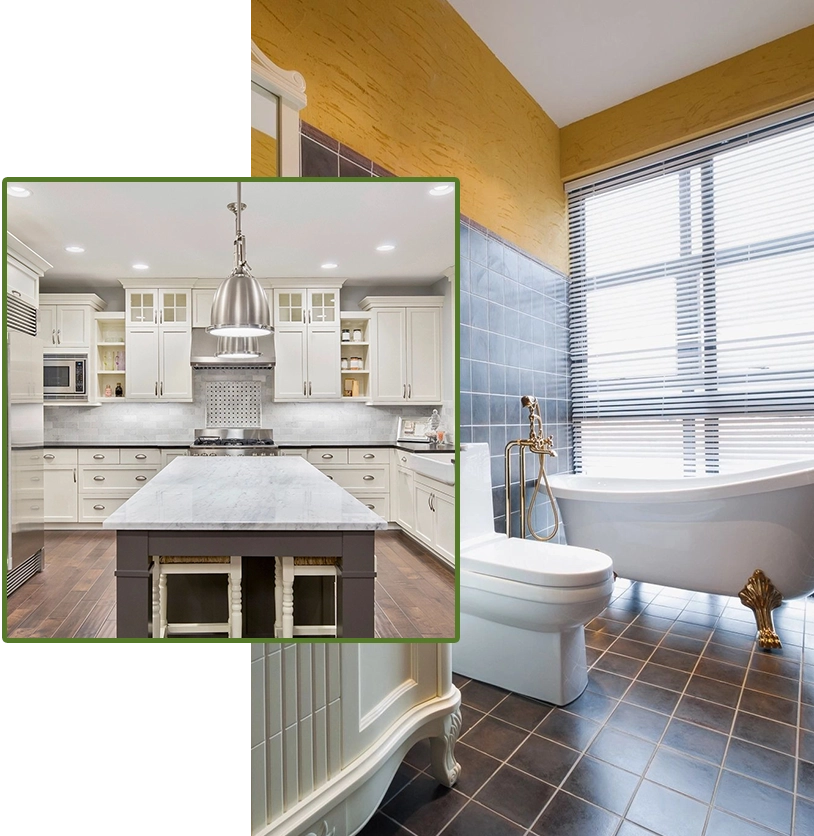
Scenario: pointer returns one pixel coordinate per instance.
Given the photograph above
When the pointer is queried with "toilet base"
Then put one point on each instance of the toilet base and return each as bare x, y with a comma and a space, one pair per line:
546, 666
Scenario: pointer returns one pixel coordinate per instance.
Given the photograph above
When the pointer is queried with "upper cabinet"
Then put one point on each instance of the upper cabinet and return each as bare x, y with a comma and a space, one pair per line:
406, 348
66, 321
306, 326
158, 333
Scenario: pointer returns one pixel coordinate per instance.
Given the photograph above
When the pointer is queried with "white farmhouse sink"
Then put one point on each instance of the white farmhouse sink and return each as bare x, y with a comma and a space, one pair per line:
438, 466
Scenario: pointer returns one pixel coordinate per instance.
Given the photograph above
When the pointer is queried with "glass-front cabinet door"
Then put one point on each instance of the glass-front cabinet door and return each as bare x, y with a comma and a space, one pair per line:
175, 307
142, 307
323, 305
289, 307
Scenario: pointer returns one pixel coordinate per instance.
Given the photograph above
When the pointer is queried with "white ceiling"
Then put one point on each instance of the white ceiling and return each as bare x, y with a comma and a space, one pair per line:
577, 57
184, 230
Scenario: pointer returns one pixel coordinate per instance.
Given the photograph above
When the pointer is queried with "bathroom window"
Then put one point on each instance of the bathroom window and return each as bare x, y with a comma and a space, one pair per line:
692, 307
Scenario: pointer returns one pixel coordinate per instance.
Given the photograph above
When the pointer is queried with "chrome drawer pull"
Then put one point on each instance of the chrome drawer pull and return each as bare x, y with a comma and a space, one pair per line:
98, 507
35, 507
49, 456
141, 478
98, 478
98, 456
368, 456
372, 507
368, 478
141, 456
35, 478
327, 455
330, 477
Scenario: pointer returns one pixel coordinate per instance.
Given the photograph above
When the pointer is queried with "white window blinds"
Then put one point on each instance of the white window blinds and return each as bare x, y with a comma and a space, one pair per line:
692, 309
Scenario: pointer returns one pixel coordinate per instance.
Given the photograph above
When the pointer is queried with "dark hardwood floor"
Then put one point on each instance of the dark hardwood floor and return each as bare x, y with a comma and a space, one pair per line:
75, 597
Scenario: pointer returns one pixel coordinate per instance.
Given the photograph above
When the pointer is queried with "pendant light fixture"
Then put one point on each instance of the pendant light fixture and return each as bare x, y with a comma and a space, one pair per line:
240, 307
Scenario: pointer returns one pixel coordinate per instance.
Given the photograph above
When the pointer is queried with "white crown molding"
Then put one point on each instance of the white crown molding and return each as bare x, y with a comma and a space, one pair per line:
25, 255
289, 85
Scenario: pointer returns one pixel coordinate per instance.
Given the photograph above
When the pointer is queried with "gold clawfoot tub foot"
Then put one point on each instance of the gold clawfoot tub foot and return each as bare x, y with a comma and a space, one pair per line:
761, 596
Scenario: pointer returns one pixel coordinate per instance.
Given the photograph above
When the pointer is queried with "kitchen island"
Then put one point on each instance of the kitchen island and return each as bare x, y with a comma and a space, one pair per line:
248, 506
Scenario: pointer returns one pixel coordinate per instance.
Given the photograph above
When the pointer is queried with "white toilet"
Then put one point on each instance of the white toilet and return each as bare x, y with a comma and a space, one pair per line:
524, 604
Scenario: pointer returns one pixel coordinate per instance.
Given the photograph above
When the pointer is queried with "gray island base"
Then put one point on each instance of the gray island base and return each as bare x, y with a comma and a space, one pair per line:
253, 507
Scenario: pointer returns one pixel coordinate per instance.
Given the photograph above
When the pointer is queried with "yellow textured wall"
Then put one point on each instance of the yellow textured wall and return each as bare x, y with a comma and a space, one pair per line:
411, 86
763, 80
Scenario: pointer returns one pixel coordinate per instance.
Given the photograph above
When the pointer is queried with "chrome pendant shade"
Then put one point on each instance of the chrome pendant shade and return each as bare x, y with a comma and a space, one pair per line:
240, 307
238, 348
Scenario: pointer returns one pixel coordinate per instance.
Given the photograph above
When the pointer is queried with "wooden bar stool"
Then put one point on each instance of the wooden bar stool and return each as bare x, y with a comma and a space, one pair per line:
229, 566
286, 569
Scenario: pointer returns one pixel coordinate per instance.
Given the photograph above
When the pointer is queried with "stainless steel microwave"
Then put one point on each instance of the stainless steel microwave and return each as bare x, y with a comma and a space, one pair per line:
65, 377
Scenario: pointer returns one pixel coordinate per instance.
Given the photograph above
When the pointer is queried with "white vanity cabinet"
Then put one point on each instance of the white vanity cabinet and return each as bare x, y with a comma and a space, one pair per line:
330, 723
65, 321
406, 348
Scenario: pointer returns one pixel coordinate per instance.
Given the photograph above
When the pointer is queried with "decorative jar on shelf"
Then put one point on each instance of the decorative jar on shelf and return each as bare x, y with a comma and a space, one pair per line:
119, 390
108, 391
357, 335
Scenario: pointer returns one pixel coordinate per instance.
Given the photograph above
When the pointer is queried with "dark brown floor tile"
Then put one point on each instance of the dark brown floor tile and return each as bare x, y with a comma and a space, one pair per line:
404, 774
475, 818
643, 634
804, 818
675, 641
515, 795
699, 619
380, 825
621, 613
424, 806
760, 763
764, 732
598, 640
730, 639
630, 829
654, 623
602, 784
521, 711
606, 625
742, 627
544, 759
459, 681
764, 705
495, 737
659, 611
673, 659
732, 674
807, 692
778, 686
693, 631
592, 705
591, 655
775, 664
806, 750
469, 716
568, 729
724, 653
567, 815
725, 824
608, 684
634, 649
621, 749
683, 774
652, 697
622, 665
713, 690
807, 717
663, 677
476, 768
638, 721
805, 779
695, 741
703, 713
666, 812
754, 801
482, 696
419, 755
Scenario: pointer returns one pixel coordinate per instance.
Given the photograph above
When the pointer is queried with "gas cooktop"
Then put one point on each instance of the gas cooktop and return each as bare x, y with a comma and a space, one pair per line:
242, 441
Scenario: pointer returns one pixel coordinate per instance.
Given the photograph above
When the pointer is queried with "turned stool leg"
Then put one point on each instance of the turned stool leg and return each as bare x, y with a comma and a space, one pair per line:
278, 597
288, 597
235, 601
162, 603
156, 601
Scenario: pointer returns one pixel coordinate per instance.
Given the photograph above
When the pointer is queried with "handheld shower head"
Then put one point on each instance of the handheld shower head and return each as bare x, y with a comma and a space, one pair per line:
528, 401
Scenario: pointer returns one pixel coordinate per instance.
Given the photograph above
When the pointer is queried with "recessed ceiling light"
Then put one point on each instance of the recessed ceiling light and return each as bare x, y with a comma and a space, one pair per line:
442, 188
73, 249
385, 248
141, 266
18, 191
329, 265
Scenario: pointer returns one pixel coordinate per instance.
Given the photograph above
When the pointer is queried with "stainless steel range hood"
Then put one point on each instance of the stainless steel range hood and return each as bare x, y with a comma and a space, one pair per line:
204, 353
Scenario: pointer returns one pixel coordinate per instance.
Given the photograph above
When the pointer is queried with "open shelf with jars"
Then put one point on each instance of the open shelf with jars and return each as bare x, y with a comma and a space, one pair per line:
109, 357
355, 355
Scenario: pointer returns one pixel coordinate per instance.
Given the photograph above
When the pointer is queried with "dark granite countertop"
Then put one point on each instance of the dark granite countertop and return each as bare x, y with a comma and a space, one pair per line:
410, 446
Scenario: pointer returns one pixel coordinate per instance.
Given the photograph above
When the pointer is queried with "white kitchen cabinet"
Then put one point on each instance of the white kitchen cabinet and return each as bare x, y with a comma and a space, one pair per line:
434, 508
66, 321
405, 499
307, 337
330, 725
60, 484
202, 299
424, 528
406, 348
158, 337
168, 455
444, 506
24, 268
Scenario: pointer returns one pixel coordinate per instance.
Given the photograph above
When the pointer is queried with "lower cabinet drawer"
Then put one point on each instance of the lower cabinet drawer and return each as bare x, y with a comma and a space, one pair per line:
97, 456
114, 478
328, 455
97, 509
379, 503
369, 478
140, 455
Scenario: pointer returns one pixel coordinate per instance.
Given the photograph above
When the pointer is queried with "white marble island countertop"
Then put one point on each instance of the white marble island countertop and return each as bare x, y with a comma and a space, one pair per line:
243, 493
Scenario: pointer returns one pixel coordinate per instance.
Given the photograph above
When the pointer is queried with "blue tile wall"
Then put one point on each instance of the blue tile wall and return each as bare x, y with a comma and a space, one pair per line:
514, 342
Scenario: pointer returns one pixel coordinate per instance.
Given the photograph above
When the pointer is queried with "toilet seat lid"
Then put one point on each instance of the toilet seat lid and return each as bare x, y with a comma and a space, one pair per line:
540, 564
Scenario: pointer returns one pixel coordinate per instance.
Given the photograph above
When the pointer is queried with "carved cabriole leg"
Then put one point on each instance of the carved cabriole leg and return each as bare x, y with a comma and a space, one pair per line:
445, 768
761, 596
288, 597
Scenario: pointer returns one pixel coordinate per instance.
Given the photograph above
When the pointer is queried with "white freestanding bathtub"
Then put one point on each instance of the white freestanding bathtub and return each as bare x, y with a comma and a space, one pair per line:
708, 533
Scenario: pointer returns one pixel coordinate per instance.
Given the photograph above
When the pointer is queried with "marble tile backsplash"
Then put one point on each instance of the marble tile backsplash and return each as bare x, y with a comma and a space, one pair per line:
514, 342
173, 423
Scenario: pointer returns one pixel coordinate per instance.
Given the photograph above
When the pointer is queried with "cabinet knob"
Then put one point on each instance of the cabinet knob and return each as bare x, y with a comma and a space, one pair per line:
49, 456
327, 455
98, 507
35, 507
368, 478
330, 477
98, 455
141, 455
404, 458
372, 507
98, 478
141, 478
369, 456
35, 478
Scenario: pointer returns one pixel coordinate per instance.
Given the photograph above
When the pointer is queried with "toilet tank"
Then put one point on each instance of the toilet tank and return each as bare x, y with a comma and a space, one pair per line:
475, 493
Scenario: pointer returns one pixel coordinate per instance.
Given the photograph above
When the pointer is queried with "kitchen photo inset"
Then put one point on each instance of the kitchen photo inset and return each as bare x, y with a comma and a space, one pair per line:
231, 409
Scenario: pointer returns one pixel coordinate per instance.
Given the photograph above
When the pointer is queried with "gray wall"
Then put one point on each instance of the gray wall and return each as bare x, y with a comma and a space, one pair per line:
514, 342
